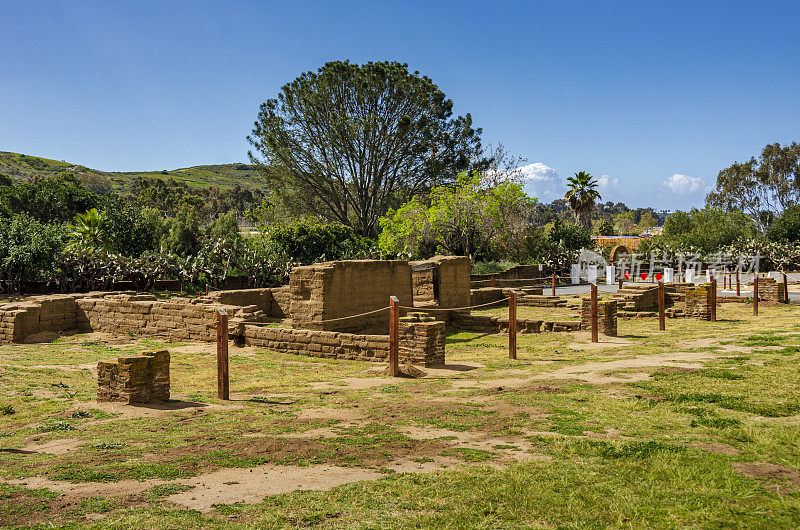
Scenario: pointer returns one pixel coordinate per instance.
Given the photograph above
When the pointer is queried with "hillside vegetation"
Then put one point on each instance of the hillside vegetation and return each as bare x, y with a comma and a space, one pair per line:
20, 166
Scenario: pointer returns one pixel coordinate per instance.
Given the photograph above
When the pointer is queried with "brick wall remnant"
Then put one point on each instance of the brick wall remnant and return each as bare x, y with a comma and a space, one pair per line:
769, 290
422, 340
606, 316
697, 302
134, 379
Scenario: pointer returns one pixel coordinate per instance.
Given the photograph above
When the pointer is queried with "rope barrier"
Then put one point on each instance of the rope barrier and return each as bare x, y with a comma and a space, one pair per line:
323, 321
454, 308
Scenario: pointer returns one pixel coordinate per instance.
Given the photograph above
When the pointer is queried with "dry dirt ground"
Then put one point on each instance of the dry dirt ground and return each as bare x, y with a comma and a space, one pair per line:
302, 437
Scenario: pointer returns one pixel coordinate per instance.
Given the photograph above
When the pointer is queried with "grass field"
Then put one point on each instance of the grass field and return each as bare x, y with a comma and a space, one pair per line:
695, 427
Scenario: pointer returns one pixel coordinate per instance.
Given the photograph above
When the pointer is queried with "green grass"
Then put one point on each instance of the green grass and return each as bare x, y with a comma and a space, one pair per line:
666, 451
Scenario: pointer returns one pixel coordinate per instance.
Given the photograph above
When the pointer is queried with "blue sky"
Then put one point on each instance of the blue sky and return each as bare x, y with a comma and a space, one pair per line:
653, 98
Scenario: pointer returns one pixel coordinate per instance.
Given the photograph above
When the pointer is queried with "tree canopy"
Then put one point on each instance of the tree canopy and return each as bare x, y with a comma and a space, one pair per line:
762, 188
350, 141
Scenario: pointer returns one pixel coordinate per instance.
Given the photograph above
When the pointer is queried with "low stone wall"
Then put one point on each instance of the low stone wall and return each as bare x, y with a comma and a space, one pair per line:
135, 379
606, 316
697, 304
55, 313
420, 343
177, 319
484, 295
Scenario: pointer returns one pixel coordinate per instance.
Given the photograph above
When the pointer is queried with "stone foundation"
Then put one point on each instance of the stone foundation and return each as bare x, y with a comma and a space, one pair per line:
606, 316
136, 379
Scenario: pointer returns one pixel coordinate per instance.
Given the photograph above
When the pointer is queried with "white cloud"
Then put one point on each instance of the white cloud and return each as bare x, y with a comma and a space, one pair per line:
684, 184
605, 182
541, 181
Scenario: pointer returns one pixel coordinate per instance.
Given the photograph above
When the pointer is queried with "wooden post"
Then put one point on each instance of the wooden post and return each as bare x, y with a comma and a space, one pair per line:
662, 319
755, 294
713, 299
738, 287
594, 313
222, 354
785, 286
394, 336
492, 280
554, 284
512, 324
725, 278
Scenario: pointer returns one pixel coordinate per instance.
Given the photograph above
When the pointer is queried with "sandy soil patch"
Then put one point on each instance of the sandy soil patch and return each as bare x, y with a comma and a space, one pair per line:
61, 446
778, 478
603, 342
252, 485
598, 373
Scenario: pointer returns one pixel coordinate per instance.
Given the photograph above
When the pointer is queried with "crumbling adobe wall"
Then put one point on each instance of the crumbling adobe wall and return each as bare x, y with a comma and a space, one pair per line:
134, 379
606, 316
423, 278
272, 301
20, 320
337, 289
769, 290
177, 319
697, 303
420, 343
442, 281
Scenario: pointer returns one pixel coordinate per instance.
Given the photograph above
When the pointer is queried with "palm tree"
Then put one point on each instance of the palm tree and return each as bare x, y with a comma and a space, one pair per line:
581, 195
89, 231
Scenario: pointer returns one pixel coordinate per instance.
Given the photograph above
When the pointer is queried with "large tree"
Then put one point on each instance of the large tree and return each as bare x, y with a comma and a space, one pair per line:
581, 195
762, 188
350, 141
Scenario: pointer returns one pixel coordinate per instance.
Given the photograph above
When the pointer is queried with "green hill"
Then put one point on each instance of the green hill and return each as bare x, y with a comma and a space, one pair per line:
19, 166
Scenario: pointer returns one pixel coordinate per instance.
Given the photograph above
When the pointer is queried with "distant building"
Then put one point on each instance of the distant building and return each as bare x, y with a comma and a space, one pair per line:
630, 242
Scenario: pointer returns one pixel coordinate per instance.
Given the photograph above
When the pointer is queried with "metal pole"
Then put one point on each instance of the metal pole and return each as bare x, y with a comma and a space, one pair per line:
222, 354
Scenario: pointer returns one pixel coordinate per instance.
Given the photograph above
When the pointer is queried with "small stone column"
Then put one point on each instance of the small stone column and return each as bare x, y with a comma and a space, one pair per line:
606, 316
134, 379
698, 302
421, 340
768, 290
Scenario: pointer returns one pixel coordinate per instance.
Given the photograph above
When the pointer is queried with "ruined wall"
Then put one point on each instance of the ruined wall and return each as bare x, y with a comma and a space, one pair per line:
769, 290
272, 301
337, 289
697, 303
420, 343
134, 379
53, 313
145, 315
606, 316
423, 278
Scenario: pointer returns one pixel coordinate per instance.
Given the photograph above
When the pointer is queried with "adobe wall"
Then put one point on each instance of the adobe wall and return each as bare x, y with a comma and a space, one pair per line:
697, 303
336, 289
272, 301
606, 316
769, 290
420, 343
443, 281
